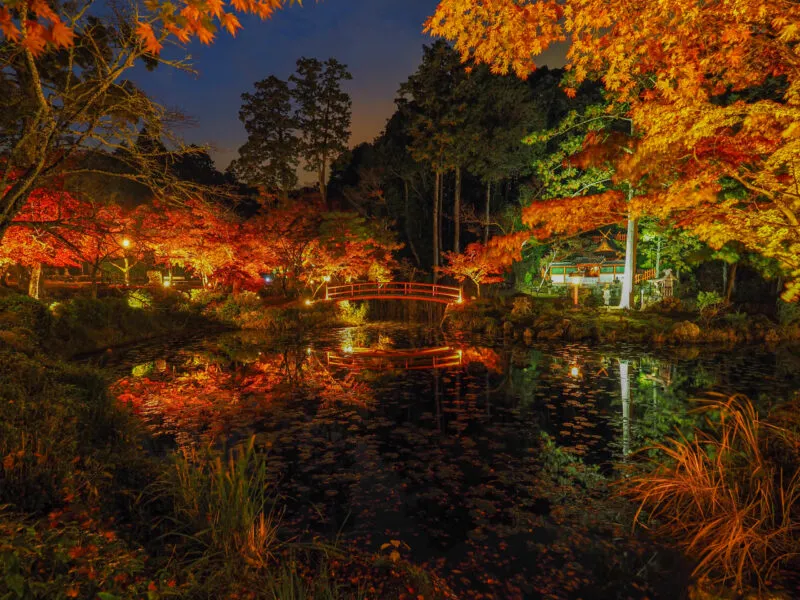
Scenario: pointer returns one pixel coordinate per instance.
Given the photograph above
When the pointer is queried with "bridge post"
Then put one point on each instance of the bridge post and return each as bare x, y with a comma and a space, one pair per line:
326, 292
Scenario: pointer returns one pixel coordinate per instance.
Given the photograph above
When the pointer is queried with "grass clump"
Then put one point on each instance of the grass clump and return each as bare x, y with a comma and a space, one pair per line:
223, 519
730, 496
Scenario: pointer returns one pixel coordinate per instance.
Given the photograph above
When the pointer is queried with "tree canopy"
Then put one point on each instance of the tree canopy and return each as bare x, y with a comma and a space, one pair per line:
685, 73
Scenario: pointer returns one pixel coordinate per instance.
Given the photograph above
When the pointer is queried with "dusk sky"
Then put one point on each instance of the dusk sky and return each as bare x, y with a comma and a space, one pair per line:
380, 41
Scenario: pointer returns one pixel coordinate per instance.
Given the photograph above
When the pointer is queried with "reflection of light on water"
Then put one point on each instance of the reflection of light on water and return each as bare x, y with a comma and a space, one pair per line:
308, 351
575, 371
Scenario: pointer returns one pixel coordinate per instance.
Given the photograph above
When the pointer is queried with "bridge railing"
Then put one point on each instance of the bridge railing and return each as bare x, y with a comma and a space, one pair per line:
393, 289
436, 358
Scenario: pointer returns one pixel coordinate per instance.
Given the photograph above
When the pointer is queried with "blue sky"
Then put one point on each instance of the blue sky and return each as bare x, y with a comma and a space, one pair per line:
380, 41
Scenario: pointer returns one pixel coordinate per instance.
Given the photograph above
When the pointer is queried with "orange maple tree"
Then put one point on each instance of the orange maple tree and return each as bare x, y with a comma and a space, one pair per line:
712, 90
37, 27
484, 264
70, 106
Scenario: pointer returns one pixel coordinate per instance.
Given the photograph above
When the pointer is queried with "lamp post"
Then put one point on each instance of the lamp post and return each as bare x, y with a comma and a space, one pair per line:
126, 243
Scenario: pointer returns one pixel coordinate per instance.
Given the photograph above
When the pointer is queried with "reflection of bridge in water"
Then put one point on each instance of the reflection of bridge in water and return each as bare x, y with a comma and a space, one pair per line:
390, 360
395, 290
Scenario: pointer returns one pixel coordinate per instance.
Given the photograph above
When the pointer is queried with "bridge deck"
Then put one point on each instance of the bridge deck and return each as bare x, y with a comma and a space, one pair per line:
395, 290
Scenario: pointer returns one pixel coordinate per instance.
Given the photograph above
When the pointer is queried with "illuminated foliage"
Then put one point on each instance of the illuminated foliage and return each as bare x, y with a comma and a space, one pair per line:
712, 88
69, 107
484, 264
36, 27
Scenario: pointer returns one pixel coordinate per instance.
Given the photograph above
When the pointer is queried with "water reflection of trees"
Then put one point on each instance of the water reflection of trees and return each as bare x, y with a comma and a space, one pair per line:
450, 461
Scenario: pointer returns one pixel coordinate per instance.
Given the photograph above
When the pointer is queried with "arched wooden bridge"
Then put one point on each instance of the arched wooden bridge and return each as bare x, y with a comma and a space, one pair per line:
394, 290
390, 360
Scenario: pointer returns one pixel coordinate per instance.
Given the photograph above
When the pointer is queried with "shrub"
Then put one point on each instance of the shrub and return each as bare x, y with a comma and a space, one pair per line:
235, 305
737, 320
593, 300
788, 312
523, 307
139, 299
672, 304
262, 319
731, 497
67, 556
22, 312
352, 313
204, 296
708, 300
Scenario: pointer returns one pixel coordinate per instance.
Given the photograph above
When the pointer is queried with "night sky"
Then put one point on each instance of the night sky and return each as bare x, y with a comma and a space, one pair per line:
380, 41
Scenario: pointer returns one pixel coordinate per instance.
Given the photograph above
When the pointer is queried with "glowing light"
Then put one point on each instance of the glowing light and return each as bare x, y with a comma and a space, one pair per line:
575, 371
347, 348
308, 350
326, 279
126, 243
460, 300
268, 278
308, 302
167, 283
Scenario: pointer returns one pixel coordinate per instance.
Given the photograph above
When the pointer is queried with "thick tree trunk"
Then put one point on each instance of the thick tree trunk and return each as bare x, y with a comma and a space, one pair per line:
731, 284
626, 300
488, 212
35, 283
436, 189
457, 213
407, 209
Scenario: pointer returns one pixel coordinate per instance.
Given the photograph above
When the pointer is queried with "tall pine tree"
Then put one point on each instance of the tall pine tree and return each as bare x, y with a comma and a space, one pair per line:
269, 158
323, 114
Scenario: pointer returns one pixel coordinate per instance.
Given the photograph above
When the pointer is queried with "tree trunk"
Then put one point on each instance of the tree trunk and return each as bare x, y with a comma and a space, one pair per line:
35, 283
457, 213
626, 300
127, 271
93, 279
724, 277
731, 285
436, 225
408, 222
441, 215
488, 212
658, 258
323, 188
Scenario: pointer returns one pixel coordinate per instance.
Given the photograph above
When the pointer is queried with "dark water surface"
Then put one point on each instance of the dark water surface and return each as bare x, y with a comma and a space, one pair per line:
489, 464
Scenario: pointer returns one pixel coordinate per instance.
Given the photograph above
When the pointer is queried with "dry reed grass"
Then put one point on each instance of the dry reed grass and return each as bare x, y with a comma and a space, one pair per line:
730, 496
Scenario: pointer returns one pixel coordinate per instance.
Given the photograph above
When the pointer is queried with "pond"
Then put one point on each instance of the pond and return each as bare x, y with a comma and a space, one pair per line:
488, 465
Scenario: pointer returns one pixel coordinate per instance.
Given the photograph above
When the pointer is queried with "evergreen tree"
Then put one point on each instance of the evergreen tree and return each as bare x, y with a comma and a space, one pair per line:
269, 158
323, 113
436, 100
